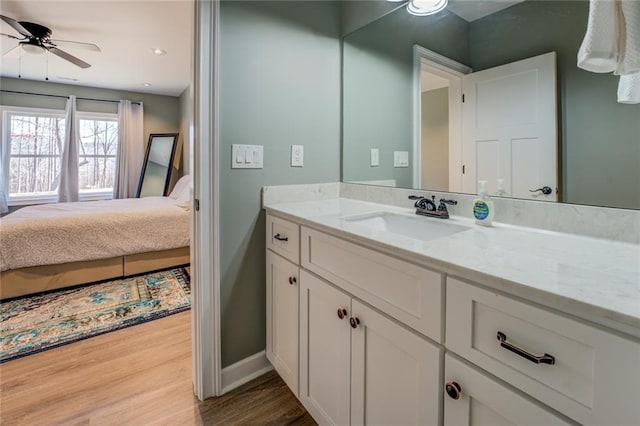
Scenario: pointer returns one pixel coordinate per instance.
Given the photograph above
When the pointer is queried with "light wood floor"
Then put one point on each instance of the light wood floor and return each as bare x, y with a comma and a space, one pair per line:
140, 375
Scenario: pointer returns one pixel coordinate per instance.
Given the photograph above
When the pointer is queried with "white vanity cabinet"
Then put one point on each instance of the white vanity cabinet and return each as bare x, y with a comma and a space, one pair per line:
282, 294
359, 367
364, 337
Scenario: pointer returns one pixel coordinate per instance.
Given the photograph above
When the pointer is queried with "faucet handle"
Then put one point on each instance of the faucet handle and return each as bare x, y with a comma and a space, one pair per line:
450, 202
415, 197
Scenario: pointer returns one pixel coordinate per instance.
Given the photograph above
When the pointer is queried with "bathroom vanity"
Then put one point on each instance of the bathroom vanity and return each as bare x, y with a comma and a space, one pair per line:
375, 315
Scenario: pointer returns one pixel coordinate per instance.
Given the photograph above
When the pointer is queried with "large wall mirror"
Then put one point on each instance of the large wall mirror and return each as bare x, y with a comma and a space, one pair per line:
530, 118
158, 162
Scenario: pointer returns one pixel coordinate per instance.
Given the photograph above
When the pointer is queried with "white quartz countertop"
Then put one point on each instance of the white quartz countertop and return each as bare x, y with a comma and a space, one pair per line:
594, 279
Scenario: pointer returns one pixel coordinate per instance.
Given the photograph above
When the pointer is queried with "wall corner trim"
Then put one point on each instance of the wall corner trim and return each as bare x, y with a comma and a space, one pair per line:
245, 370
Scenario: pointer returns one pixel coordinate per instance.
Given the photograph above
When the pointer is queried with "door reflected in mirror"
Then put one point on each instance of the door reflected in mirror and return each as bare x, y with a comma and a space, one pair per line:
157, 166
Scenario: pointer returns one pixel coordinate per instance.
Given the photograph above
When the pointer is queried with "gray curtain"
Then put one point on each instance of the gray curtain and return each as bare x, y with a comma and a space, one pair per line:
69, 187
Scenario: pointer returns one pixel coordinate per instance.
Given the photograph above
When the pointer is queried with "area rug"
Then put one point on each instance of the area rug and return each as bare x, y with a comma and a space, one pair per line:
36, 323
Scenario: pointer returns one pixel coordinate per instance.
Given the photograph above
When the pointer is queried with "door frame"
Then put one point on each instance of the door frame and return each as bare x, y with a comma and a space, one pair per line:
206, 345
452, 71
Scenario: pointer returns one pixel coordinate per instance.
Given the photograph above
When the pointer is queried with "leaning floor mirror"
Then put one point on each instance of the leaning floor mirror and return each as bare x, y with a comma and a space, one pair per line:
158, 161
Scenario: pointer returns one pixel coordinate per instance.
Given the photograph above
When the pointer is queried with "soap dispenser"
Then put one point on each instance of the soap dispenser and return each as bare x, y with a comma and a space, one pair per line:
483, 206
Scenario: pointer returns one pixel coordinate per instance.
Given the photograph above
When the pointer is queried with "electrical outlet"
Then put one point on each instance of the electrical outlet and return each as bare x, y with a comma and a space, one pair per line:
375, 157
297, 155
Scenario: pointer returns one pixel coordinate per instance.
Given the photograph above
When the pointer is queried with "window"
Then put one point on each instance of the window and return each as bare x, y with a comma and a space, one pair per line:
97, 152
32, 143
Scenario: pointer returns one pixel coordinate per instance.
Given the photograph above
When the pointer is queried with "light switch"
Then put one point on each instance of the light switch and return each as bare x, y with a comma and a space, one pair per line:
246, 156
375, 157
297, 155
400, 158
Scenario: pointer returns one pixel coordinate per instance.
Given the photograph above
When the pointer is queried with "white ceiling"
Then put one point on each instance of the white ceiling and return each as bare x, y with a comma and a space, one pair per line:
125, 31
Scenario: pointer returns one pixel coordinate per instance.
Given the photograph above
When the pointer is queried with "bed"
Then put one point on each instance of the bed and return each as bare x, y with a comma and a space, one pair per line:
52, 246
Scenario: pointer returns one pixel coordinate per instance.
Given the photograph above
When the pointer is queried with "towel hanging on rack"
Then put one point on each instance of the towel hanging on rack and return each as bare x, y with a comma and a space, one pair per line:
599, 50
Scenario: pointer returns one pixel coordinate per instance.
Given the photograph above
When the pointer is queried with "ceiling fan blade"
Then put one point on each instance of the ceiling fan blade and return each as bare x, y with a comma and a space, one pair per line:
76, 45
66, 56
16, 26
10, 36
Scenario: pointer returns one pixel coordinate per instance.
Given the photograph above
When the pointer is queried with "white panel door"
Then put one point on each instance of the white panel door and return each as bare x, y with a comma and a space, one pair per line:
325, 351
483, 401
510, 128
395, 374
282, 318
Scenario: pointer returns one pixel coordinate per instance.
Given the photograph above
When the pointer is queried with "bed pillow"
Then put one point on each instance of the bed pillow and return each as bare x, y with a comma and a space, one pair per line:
180, 192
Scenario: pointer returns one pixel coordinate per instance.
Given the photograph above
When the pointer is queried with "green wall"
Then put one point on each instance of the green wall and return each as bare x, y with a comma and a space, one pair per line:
600, 138
378, 88
161, 113
279, 85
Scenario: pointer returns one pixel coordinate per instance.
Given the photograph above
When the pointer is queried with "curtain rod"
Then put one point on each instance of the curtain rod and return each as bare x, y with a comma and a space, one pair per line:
61, 96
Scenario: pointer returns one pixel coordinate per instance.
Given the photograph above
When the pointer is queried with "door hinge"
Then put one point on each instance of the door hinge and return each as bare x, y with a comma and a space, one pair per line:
196, 204
463, 169
463, 98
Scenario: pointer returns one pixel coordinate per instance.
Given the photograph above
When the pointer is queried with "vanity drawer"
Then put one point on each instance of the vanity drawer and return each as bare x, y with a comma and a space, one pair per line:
283, 238
404, 291
595, 375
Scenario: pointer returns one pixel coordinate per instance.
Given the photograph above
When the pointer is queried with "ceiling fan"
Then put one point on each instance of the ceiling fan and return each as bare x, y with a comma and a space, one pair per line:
37, 38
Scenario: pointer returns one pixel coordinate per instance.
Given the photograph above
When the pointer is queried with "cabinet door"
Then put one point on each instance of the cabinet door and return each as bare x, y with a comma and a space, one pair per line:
324, 350
395, 374
484, 401
282, 318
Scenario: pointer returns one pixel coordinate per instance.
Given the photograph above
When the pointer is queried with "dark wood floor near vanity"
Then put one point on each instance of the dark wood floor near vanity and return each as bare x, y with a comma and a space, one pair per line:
139, 375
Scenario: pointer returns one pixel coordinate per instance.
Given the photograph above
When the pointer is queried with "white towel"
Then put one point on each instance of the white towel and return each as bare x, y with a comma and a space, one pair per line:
629, 89
599, 49
629, 47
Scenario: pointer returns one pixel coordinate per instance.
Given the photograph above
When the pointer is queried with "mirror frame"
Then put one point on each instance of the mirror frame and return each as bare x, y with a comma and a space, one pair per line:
167, 178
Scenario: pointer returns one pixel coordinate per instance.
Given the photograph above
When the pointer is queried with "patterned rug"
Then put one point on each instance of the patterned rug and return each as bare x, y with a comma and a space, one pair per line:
36, 323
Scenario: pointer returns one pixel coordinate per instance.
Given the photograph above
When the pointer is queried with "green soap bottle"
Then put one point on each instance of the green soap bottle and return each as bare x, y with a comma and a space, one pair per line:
483, 206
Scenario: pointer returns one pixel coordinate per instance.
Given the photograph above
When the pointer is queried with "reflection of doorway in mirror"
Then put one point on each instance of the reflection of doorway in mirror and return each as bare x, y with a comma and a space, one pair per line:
437, 121
435, 131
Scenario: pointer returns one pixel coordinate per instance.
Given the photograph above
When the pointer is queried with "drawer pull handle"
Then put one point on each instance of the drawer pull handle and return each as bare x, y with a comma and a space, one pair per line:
342, 313
453, 389
537, 359
354, 321
280, 238
292, 280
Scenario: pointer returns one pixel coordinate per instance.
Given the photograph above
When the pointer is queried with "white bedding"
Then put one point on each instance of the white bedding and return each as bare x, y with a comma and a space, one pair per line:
71, 232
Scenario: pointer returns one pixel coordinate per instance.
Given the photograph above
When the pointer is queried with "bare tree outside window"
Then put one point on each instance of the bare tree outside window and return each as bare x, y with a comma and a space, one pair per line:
35, 148
98, 149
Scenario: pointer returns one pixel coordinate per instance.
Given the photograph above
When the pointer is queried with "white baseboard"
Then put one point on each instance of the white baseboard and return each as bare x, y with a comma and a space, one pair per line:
245, 370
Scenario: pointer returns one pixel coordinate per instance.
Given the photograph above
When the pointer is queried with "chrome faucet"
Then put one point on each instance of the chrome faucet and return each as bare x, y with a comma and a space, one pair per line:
427, 207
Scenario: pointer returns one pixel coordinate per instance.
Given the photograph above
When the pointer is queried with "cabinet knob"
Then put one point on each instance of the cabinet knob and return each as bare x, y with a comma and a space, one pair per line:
292, 280
342, 313
453, 389
354, 321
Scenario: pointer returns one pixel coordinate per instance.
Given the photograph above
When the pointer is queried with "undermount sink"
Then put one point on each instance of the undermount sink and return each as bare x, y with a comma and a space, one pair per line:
419, 228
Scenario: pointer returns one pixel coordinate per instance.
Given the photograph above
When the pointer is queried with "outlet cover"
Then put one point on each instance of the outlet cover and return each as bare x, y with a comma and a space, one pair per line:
375, 157
400, 158
297, 155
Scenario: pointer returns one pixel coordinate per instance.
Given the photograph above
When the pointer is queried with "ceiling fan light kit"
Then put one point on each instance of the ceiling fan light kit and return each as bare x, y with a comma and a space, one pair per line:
36, 39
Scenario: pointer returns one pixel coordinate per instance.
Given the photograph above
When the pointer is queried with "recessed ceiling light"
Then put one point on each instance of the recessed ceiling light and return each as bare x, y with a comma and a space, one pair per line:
146, 84
158, 51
